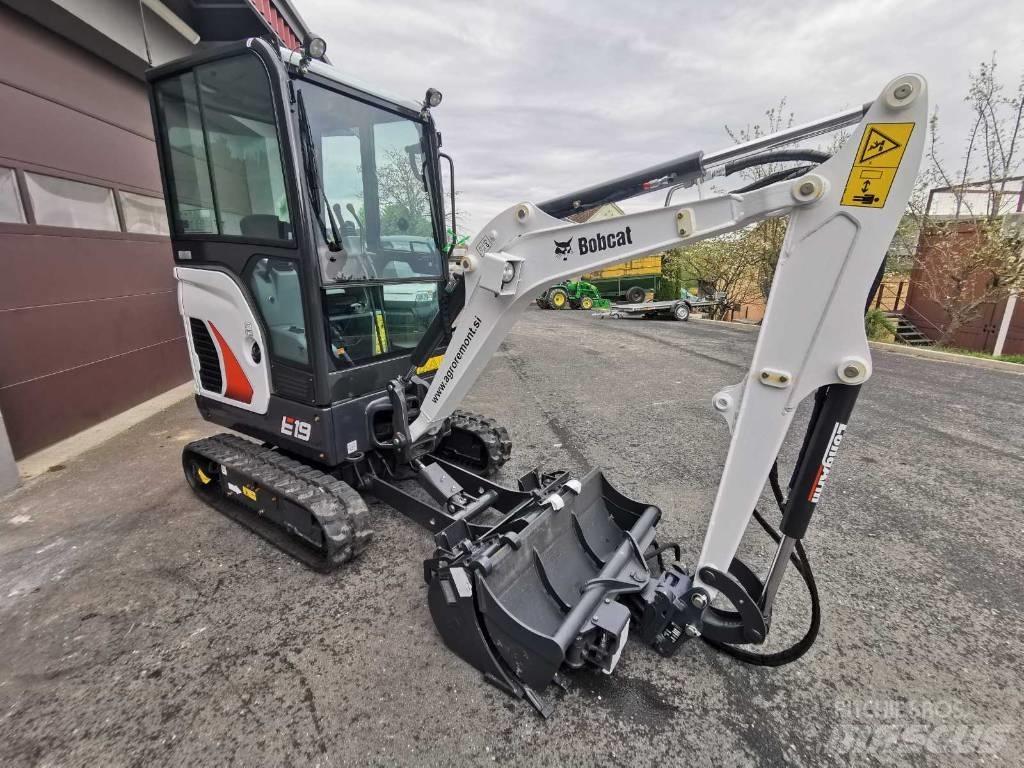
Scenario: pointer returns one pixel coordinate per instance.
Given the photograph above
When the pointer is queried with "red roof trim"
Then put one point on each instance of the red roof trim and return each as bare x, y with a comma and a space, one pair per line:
288, 36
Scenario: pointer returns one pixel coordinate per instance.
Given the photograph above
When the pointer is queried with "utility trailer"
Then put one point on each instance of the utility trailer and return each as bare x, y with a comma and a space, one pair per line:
676, 309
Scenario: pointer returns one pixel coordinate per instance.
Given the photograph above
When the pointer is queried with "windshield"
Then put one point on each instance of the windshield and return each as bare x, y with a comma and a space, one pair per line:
370, 170
375, 320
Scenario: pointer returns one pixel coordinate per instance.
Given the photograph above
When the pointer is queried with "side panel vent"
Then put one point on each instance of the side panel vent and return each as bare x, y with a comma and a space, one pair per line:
209, 361
292, 384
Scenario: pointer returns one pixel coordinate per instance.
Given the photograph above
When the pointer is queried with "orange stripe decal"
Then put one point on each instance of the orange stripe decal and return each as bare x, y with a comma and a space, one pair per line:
238, 386
814, 485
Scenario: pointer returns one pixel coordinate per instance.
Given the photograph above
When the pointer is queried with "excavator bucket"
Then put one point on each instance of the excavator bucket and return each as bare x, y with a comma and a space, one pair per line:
540, 590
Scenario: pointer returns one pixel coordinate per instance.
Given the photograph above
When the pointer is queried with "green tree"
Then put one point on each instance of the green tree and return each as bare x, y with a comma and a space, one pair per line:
726, 264
404, 208
878, 326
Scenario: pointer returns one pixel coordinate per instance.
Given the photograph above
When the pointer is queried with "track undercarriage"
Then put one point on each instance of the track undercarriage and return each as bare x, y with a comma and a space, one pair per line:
316, 516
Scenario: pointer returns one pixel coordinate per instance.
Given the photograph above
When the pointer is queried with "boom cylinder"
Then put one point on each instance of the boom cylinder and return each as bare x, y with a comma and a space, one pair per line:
691, 168
818, 458
687, 169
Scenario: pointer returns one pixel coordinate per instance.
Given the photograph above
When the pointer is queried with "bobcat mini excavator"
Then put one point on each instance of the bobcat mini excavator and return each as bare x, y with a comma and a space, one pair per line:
308, 227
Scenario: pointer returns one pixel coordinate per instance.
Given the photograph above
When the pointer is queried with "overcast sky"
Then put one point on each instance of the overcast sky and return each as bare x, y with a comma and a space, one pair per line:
542, 97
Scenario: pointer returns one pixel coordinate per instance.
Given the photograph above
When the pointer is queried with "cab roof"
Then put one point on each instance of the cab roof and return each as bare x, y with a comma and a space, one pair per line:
330, 73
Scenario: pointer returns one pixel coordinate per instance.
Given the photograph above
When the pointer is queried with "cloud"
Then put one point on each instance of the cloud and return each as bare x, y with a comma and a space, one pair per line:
545, 96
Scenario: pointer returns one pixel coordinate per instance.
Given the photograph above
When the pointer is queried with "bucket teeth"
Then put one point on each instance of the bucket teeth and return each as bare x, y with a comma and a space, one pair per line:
523, 607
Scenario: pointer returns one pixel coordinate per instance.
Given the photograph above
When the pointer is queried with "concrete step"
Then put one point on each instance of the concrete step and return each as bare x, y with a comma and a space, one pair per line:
907, 332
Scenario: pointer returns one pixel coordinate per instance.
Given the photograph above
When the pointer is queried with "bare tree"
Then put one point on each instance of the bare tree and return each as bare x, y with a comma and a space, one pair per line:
966, 260
968, 267
764, 239
741, 265
404, 204
403, 201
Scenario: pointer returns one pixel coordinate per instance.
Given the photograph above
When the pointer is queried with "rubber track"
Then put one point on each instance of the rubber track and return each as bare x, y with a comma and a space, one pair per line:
487, 431
339, 510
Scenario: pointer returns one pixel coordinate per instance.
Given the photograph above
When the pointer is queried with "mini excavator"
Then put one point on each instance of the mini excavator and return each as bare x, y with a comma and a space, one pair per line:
323, 322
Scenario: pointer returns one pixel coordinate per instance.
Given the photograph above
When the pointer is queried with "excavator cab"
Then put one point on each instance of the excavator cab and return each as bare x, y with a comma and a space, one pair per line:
307, 212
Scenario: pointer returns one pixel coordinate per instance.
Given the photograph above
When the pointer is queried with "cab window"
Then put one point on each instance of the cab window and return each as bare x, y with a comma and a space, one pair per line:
221, 143
275, 286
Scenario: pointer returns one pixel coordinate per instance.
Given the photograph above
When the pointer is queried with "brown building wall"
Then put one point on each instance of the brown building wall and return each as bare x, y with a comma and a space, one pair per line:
88, 319
930, 316
890, 296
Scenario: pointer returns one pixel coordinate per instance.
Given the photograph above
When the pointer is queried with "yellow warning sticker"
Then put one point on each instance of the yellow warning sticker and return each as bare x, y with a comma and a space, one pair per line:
380, 336
874, 167
249, 492
203, 477
431, 365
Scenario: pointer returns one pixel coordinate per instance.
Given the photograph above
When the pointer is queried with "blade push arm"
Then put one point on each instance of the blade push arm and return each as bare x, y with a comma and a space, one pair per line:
842, 218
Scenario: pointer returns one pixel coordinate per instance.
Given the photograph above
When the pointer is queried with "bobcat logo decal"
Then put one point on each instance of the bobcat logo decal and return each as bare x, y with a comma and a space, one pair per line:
563, 249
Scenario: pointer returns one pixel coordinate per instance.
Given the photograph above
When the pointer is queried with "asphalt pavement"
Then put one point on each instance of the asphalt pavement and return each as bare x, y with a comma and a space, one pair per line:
138, 627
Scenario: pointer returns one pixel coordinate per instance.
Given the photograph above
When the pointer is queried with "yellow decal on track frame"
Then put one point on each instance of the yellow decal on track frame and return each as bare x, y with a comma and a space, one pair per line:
249, 492
431, 365
874, 167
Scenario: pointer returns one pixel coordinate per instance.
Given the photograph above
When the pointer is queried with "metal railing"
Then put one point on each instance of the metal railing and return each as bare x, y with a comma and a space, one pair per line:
890, 298
920, 320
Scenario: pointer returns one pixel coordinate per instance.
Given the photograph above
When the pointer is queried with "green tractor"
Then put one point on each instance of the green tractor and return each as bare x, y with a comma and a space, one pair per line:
572, 294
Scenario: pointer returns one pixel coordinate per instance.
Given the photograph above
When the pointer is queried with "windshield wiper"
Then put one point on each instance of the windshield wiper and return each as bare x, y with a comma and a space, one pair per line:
313, 178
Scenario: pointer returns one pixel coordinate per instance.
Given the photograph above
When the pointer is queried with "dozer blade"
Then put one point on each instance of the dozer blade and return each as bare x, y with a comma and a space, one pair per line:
540, 590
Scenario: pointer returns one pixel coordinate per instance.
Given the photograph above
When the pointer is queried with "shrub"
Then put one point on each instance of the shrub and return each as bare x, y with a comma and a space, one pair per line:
877, 326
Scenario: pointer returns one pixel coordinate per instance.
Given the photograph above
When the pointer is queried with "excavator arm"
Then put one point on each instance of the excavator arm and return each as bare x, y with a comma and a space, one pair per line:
842, 217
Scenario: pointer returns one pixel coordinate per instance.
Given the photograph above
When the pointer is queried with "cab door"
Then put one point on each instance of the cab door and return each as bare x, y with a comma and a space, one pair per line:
234, 220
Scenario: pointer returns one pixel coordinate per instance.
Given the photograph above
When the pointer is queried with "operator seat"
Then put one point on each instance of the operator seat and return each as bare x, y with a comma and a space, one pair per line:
265, 226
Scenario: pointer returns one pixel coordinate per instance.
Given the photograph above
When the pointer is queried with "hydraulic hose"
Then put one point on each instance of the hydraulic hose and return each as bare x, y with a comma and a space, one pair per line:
802, 564
776, 156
